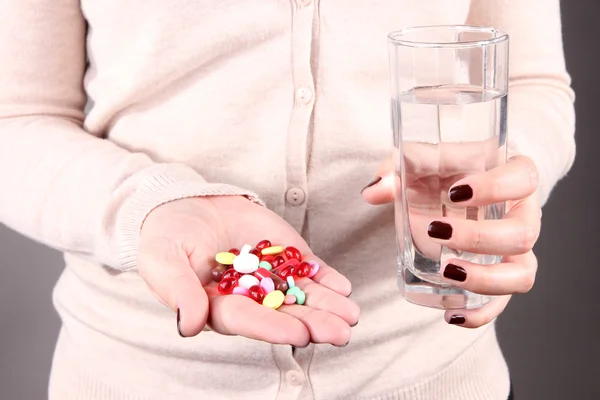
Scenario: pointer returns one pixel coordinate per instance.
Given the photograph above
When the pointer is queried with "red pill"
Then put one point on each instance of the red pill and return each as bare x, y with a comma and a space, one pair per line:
257, 293
285, 265
255, 251
262, 273
263, 244
290, 270
234, 251
293, 262
218, 271
292, 253
280, 284
277, 261
303, 269
231, 273
268, 258
227, 285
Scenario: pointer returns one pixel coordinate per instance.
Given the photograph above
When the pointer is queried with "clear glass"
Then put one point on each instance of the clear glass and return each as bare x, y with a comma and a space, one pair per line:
449, 104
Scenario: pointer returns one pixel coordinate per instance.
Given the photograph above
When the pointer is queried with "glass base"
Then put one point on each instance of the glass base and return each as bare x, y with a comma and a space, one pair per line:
444, 297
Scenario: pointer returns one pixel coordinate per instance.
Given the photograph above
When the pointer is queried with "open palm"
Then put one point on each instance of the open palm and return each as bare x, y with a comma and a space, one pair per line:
178, 243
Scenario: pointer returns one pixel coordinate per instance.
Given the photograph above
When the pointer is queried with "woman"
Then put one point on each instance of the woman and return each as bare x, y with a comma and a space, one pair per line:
213, 124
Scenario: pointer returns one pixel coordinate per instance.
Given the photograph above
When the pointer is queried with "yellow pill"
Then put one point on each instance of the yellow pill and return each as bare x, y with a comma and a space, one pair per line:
225, 258
269, 251
274, 299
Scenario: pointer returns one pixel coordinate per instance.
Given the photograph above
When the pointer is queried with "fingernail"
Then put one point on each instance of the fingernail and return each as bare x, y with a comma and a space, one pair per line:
303, 347
372, 183
179, 323
343, 345
352, 326
455, 273
461, 193
457, 320
439, 230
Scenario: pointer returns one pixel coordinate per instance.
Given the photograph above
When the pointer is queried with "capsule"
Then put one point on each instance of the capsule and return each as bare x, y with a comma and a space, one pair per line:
280, 284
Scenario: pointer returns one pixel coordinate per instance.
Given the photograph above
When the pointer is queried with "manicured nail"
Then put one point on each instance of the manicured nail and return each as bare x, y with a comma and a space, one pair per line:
455, 273
372, 183
179, 323
439, 230
461, 193
457, 320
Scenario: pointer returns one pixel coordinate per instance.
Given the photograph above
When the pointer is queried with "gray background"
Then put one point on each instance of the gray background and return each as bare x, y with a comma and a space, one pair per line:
549, 336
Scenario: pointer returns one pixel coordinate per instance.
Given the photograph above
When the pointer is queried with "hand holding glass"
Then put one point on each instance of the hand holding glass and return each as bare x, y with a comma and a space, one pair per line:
449, 113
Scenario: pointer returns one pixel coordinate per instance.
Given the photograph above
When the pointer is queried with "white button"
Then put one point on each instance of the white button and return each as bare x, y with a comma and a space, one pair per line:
295, 378
295, 196
304, 3
304, 95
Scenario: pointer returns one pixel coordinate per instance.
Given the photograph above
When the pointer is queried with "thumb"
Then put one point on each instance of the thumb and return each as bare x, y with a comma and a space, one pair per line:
165, 268
381, 189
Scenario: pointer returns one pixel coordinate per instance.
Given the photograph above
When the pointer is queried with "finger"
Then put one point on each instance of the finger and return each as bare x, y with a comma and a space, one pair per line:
514, 180
165, 268
328, 276
476, 318
322, 298
322, 326
514, 276
380, 190
451, 161
448, 159
516, 233
240, 315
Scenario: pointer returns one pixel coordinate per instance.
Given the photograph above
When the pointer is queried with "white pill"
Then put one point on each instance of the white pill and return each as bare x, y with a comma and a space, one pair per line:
245, 249
247, 281
290, 281
246, 263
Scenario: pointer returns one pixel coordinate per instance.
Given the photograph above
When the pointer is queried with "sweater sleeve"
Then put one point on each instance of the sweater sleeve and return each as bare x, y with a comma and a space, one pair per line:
61, 185
541, 117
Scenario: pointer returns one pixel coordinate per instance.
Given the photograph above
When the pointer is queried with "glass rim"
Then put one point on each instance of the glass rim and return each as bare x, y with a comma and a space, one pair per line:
396, 37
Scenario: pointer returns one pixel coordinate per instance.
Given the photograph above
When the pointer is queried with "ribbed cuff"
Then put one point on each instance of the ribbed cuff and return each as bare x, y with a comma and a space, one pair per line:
155, 186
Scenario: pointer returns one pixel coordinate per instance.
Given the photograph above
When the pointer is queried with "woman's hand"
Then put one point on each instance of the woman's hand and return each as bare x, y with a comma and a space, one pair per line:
511, 237
178, 244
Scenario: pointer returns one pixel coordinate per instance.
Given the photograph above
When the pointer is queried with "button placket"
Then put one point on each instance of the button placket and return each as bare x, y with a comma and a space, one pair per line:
299, 126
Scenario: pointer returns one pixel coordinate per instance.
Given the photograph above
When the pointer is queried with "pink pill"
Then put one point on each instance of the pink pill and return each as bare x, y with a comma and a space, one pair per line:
240, 290
289, 299
314, 269
267, 284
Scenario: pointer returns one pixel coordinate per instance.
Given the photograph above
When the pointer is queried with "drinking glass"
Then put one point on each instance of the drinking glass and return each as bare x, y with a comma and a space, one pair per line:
449, 105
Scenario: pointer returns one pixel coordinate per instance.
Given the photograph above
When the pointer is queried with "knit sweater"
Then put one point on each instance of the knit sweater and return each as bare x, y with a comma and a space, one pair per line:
284, 100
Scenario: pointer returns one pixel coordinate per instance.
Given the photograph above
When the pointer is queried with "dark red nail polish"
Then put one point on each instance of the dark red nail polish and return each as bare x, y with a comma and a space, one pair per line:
455, 273
461, 193
372, 183
457, 320
179, 324
439, 230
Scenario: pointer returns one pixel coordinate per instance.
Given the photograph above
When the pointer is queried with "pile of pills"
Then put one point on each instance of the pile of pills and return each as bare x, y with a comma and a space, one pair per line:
265, 273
